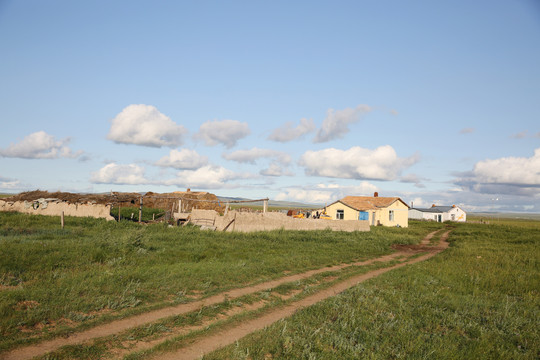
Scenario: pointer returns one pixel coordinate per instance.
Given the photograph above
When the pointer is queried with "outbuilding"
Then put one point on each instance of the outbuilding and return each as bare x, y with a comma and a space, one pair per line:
439, 213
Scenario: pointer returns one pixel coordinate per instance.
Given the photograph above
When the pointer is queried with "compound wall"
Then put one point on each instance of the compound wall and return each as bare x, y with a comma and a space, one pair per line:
53, 207
248, 222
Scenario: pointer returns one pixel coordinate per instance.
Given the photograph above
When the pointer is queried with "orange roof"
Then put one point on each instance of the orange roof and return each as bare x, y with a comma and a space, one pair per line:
369, 202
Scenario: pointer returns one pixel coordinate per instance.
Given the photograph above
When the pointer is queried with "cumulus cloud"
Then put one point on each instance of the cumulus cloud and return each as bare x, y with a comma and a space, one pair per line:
336, 123
275, 169
130, 174
252, 155
207, 177
507, 175
288, 133
356, 163
184, 159
413, 179
225, 132
468, 130
39, 145
324, 193
145, 125
8, 183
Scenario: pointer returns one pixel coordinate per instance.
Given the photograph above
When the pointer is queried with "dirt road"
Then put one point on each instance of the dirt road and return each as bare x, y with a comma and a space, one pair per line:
216, 341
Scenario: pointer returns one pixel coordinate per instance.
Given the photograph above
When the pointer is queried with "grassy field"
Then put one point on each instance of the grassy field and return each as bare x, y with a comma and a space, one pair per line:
480, 299
55, 280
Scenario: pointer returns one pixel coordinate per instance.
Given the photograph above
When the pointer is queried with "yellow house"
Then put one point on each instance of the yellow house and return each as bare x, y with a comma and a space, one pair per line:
386, 211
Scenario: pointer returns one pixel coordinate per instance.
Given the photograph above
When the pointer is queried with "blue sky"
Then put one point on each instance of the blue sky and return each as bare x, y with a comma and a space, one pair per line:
432, 101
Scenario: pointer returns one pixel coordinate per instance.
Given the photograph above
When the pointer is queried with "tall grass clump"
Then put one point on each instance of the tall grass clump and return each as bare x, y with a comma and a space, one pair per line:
480, 299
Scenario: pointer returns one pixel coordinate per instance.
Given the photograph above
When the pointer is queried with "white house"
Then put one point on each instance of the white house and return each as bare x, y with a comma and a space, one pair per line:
439, 213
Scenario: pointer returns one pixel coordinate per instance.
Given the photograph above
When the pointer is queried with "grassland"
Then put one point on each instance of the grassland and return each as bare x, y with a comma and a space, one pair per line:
54, 280
480, 299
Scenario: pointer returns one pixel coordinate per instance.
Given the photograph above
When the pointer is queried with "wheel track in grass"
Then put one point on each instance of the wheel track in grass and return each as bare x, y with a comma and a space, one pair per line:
226, 337
219, 340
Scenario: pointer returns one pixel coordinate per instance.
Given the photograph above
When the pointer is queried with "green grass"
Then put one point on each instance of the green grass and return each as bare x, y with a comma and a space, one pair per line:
132, 213
480, 299
92, 271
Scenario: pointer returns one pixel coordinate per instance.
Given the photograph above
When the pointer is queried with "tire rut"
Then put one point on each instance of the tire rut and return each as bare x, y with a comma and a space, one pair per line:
216, 341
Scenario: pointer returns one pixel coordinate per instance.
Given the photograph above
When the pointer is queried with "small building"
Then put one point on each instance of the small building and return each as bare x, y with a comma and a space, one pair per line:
386, 211
439, 213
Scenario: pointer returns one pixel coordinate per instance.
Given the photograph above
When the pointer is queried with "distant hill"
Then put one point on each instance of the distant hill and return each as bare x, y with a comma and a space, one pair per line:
273, 203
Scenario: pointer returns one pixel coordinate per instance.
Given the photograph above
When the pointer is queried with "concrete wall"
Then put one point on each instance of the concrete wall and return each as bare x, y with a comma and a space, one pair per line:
54, 207
248, 222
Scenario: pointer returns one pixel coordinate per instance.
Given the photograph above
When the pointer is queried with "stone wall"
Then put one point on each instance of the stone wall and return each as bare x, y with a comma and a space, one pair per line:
248, 222
54, 207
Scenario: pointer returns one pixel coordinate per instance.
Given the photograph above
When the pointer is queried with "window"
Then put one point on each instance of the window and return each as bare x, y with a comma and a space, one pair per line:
391, 215
340, 215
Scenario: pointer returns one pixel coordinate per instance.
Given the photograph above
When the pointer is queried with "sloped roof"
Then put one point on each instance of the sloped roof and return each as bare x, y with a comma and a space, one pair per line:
429, 210
369, 202
438, 209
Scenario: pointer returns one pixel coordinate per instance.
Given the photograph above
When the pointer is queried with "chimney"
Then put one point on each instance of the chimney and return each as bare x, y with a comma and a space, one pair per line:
376, 194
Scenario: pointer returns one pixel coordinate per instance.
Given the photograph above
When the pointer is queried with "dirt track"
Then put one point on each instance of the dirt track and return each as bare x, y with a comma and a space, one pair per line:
230, 335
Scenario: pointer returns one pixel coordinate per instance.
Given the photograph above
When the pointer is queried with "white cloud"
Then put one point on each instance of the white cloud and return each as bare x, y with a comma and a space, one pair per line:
226, 132
185, 159
288, 133
335, 125
145, 125
252, 155
324, 193
275, 169
356, 163
509, 170
8, 183
414, 179
206, 177
507, 175
39, 145
130, 174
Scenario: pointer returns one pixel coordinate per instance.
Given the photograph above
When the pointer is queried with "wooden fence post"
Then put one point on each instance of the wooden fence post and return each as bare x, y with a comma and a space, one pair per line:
140, 211
62, 220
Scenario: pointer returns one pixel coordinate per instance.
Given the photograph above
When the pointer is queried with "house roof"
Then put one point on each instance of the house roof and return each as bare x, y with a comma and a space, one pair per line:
438, 209
369, 202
